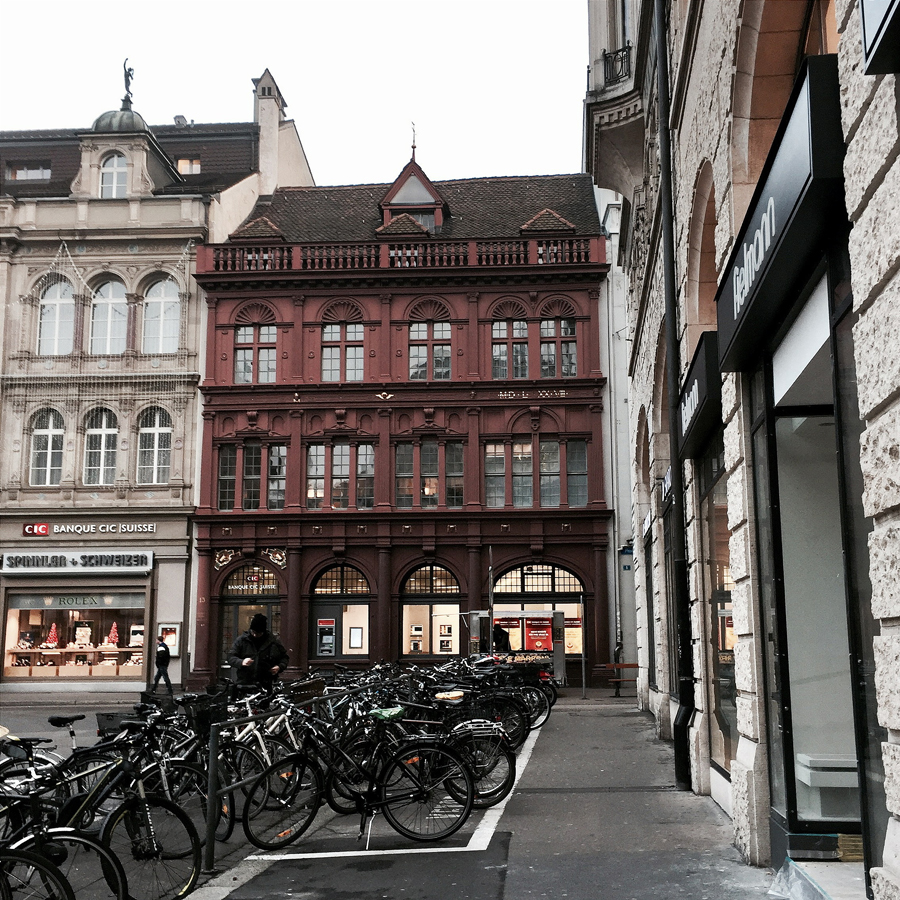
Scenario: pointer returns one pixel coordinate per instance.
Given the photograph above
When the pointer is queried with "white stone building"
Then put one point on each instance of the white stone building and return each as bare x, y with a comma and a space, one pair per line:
767, 483
103, 334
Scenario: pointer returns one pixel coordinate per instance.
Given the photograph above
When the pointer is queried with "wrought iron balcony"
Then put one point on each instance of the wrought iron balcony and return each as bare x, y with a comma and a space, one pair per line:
617, 65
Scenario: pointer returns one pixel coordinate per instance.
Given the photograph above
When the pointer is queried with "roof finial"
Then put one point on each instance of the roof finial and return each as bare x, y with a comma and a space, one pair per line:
129, 74
414, 141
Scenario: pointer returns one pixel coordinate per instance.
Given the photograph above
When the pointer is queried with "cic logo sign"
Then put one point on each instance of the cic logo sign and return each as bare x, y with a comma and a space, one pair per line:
36, 529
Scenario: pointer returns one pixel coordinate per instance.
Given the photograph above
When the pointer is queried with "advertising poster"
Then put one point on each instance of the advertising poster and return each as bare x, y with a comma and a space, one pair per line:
573, 636
513, 627
538, 634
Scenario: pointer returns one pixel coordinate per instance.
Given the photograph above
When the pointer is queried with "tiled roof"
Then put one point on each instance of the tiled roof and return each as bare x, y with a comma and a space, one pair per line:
258, 228
479, 208
548, 220
402, 224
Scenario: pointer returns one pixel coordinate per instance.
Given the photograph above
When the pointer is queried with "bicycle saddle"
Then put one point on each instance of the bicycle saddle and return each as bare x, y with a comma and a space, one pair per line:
62, 721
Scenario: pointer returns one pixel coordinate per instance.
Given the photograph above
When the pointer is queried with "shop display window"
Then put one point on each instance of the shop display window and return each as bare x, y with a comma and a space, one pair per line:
430, 628
79, 635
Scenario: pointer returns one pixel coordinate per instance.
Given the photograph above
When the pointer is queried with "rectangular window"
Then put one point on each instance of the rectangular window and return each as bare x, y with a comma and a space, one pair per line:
354, 363
548, 360
331, 333
365, 476
315, 476
418, 363
340, 476
495, 475
441, 362
499, 367
266, 365
498, 330
520, 360
522, 471
418, 331
568, 359
548, 328
441, 331
29, 171
100, 459
187, 166
355, 332
46, 459
403, 472
243, 366
576, 473
243, 334
275, 486
428, 470
331, 364
227, 475
252, 476
549, 473
453, 473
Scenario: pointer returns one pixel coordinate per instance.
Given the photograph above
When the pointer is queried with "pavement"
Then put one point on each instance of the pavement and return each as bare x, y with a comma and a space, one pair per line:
594, 816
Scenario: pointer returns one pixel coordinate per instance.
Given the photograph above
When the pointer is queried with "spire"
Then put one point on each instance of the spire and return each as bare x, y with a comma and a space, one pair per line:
414, 141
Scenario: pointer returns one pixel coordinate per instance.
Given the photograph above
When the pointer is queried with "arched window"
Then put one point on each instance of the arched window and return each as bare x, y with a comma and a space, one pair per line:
430, 624
100, 437
47, 433
154, 446
540, 587
109, 319
162, 318
57, 320
248, 590
114, 177
340, 613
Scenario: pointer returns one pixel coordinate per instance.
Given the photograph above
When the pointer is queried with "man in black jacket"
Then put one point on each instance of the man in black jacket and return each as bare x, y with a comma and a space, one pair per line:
163, 655
257, 657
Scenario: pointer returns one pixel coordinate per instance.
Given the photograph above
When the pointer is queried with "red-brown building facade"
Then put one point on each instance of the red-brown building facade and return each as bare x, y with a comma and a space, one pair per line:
401, 401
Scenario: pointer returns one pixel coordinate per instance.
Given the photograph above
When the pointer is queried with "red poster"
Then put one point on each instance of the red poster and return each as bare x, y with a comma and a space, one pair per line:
538, 634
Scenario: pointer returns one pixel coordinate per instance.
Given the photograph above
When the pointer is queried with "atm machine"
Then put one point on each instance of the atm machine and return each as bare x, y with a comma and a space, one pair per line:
325, 637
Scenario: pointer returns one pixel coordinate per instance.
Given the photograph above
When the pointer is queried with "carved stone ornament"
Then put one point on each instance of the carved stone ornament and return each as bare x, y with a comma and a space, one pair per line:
277, 555
223, 557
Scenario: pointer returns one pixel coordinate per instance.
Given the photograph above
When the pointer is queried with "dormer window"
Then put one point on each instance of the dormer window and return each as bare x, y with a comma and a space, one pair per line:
425, 219
412, 201
114, 177
28, 171
188, 166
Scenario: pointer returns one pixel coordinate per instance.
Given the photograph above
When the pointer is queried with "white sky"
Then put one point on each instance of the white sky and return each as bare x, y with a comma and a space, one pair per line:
495, 87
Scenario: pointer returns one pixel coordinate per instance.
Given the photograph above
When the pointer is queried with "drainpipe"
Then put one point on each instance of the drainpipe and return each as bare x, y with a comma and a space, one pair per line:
685, 662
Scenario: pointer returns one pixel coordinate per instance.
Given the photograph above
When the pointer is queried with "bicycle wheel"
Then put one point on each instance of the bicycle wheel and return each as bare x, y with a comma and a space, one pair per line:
240, 765
27, 876
292, 790
347, 776
91, 869
491, 762
158, 846
186, 785
536, 701
426, 791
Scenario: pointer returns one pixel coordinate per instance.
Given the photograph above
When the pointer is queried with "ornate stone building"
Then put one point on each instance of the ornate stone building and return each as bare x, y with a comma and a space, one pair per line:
756, 144
402, 407
102, 348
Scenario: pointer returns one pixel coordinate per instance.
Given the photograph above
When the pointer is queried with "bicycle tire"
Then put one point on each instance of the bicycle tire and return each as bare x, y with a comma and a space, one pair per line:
288, 810
347, 778
241, 765
536, 701
28, 876
426, 792
91, 869
157, 845
491, 762
188, 785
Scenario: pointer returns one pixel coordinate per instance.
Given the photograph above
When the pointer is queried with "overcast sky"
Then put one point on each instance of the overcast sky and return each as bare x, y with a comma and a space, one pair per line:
495, 87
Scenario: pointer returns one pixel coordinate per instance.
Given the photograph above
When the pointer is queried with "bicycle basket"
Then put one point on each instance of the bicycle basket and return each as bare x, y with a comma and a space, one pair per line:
205, 710
110, 724
302, 691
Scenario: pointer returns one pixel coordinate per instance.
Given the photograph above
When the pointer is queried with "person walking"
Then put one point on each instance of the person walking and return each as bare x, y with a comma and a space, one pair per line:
257, 657
163, 655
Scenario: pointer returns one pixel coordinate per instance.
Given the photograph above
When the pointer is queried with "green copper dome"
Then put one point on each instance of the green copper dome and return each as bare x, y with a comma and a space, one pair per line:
120, 120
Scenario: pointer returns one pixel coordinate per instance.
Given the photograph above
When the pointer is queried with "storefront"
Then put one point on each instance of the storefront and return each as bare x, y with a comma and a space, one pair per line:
84, 599
784, 324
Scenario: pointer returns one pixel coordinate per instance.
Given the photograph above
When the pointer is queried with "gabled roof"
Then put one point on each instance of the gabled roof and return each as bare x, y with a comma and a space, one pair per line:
403, 224
412, 187
255, 229
548, 220
479, 208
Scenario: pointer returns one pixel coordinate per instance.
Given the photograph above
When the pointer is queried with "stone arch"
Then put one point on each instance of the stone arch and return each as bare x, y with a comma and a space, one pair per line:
560, 307
509, 308
700, 292
429, 309
255, 313
343, 310
767, 53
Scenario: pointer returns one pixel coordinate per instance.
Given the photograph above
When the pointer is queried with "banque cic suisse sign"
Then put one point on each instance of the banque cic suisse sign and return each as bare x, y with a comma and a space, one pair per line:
798, 198
119, 561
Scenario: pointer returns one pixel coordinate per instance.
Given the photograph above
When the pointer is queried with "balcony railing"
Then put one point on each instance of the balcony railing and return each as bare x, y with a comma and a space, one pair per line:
405, 255
617, 65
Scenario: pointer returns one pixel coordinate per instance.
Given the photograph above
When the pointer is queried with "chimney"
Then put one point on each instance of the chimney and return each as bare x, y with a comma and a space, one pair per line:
268, 108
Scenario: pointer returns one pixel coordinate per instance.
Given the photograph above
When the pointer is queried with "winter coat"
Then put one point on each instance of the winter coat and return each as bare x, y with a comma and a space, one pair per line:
162, 655
269, 652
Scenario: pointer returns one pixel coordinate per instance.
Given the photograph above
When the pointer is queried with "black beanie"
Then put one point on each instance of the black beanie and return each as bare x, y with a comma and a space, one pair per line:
259, 623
